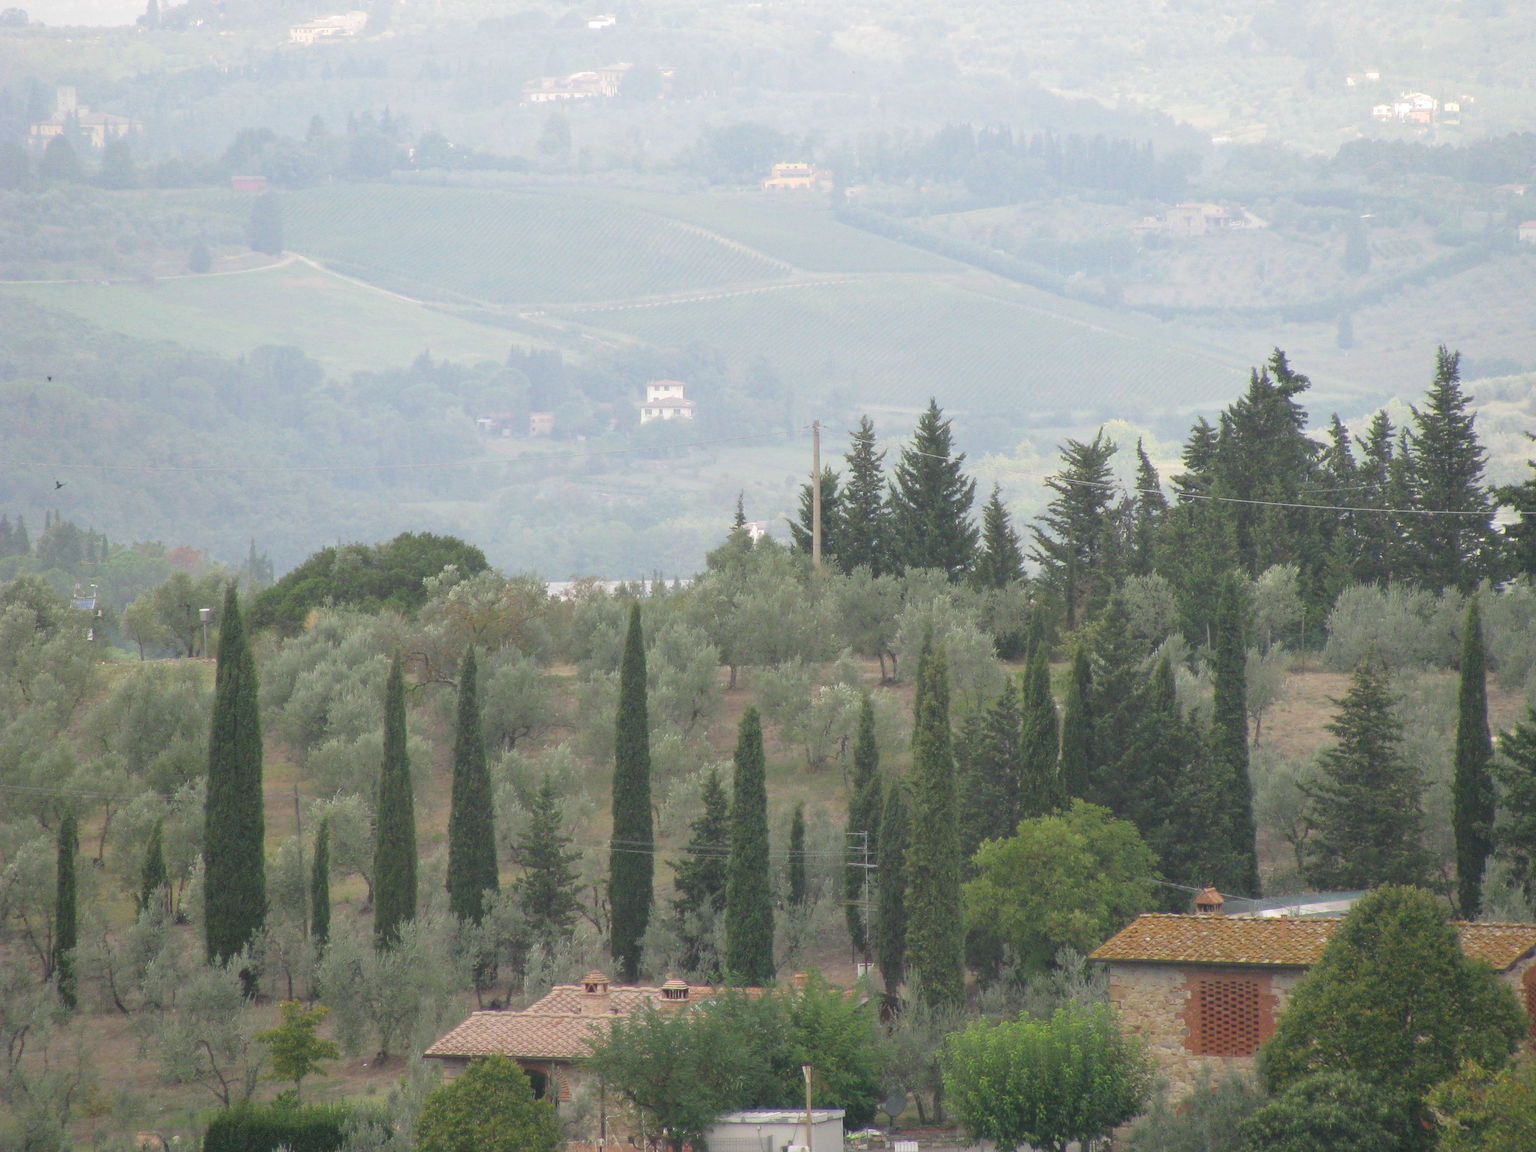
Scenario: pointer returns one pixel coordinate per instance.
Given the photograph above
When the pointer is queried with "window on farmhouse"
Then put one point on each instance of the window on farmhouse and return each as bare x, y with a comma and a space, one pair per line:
1226, 1017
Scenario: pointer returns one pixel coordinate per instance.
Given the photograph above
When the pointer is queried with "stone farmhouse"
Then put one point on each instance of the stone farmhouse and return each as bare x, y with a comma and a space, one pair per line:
329, 28
70, 117
666, 400
1205, 991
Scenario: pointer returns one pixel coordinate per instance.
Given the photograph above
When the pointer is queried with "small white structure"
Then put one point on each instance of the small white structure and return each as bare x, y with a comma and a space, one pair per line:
665, 400
776, 1131
329, 27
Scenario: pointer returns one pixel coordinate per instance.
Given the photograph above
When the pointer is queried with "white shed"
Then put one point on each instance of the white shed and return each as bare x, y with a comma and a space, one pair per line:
776, 1131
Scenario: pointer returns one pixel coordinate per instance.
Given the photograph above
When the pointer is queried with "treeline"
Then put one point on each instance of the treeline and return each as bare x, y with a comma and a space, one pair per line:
1500, 160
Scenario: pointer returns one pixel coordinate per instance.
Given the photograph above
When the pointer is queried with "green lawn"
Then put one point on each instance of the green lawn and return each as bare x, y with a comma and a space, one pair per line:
343, 325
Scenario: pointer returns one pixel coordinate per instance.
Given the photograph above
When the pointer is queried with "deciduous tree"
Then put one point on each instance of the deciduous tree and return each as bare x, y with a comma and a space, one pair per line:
490, 1108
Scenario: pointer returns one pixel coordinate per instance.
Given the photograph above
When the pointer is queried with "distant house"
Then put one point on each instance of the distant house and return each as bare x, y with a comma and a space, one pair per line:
1205, 991
248, 183
77, 120
606, 20
665, 400
541, 423
1527, 232
328, 27
795, 176
589, 85
1409, 108
1199, 220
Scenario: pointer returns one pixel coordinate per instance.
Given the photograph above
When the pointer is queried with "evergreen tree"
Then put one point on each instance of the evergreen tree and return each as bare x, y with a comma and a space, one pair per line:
630, 869
154, 880
320, 887
988, 773
863, 820
1000, 563
117, 169
796, 859
1117, 657
1472, 787
1040, 789
831, 521
394, 846
935, 928
471, 829
1229, 721
1376, 539
1077, 727
1515, 835
891, 911
547, 891
865, 514
931, 499
66, 925
748, 892
1149, 509
1446, 475
1366, 812
1075, 542
234, 830
60, 164
699, 880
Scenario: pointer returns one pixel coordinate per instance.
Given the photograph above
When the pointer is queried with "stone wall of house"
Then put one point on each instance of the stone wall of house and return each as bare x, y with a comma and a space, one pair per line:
1154, 1001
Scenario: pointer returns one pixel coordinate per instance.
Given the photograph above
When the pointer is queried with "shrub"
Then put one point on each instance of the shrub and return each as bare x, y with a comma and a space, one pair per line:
263, 1127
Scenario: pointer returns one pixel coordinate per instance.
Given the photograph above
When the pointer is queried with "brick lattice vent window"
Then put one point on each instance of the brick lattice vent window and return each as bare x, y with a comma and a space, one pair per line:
1227, 1017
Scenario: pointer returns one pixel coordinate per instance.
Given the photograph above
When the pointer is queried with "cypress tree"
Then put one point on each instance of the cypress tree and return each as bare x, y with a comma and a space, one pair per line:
748, 892
471, 828
699, 879
931, 501
1229, 721
154, 881
320, 886
796, 862
1366, 811
1472, 787
547, 889
988, 774
935, 931
66, 926
863, 818
1117, 683
394, 847
1077, 727
234, 881
1039, 740
630, 866
865, 539
891, 922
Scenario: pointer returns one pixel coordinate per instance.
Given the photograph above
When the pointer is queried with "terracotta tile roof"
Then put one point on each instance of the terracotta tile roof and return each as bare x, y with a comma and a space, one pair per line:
1278, 942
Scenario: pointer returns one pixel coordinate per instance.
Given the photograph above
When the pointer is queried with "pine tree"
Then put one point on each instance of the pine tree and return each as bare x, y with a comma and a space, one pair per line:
1229, 721
66, 925
891, 911
1040, 791
699, 880
866, 538
863, 821
154, 880
547, 891
234, 831
1117, 657
1366, 812
630, 867
748, 892
1000, 563
320, 887
1149, 508
935, 931
796, 859
831, 521
1077, 727
988, 773
1075, 543
394, 846
1446, 464
471, 828
931, 501
1472, 787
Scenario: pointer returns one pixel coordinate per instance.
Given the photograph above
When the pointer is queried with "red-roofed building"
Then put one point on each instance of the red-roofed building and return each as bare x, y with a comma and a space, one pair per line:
1205, 991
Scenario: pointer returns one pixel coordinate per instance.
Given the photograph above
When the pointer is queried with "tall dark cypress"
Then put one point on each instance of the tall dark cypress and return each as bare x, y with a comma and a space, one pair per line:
1077, 726
394, 846
66, 926
699, 879
891, 913
935, 931
748, 891
471, 827
154, 881
234, 833
1229, 720
796, 862
631, 869
320, 886
1040, 790
1472, 787
988, 774
863, 828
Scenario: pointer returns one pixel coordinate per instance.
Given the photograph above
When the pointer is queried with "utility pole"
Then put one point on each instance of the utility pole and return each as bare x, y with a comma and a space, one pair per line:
816, 495
809, 1139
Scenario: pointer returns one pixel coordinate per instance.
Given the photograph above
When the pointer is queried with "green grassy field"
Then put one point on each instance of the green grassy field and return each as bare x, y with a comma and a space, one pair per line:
343, 325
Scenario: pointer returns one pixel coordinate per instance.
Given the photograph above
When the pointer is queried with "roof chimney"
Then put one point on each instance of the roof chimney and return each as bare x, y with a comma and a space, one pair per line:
801, 980
674, 994
1209, 903
594, 994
